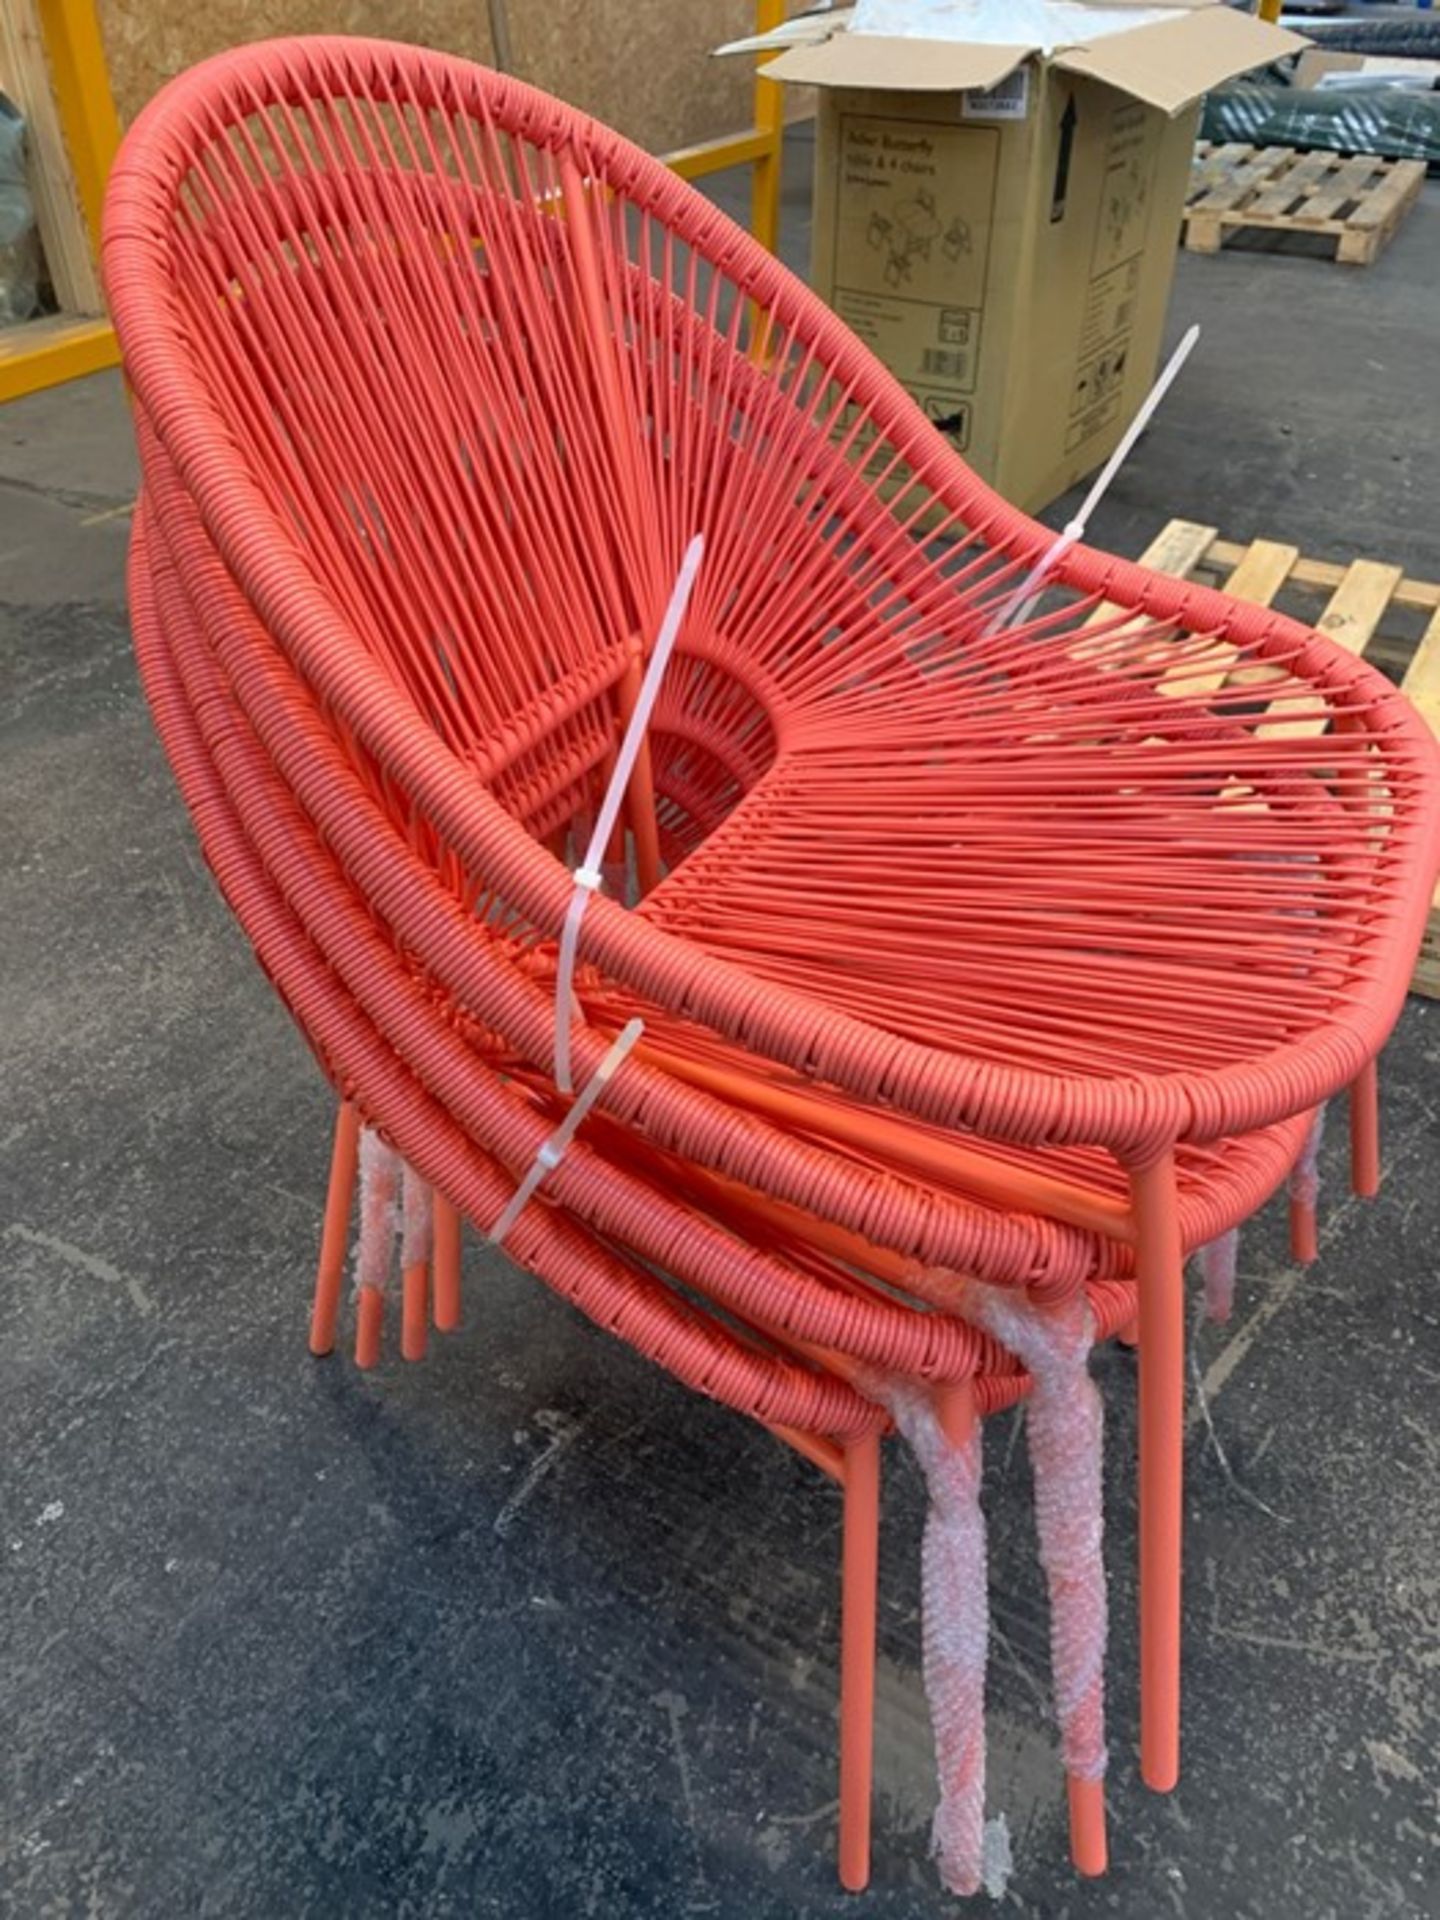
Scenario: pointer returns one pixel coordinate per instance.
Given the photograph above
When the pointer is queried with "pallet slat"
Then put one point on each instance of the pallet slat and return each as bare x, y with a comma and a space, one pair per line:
1306, 572
1240, 177
1349, 183
1351, 620
1299, 179
1421, 686
1360, 595
1359, 202
1402, 181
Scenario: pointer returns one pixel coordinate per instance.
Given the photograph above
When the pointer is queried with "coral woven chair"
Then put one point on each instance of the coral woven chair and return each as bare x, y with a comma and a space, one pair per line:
229, 787
1018, 944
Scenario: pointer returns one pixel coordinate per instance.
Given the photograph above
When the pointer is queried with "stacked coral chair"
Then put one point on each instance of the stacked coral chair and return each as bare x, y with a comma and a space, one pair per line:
988, 952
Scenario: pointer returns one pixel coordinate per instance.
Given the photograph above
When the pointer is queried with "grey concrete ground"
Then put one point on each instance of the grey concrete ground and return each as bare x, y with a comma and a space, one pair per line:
529, 1630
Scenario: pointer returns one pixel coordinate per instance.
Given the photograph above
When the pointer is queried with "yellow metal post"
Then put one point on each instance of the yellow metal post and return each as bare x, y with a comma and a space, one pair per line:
759, 147
82, 93
41, 353
770, 121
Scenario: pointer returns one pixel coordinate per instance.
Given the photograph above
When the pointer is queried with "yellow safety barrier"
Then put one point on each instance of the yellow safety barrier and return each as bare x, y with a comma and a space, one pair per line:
42, 353
759, 146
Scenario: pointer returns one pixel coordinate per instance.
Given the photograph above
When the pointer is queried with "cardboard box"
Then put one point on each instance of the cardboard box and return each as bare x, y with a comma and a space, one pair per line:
999, 223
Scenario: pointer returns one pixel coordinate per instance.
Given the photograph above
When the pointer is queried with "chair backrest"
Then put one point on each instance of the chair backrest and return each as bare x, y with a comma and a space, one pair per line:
490, 367
452, 375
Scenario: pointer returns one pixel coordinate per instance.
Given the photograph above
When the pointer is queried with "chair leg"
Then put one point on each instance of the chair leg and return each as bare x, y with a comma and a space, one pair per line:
446, 1275
380, 1191
859, 1569
1160, 1276
335, 1236
1365, 1131
418, 1215
640, 794
369, 1327
1304, 1190
414, 1302
1304, 1231
1089, 1846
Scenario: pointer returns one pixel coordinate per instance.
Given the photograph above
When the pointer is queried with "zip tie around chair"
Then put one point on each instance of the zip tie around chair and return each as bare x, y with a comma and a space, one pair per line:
552, 1151
590, 874
1018, 606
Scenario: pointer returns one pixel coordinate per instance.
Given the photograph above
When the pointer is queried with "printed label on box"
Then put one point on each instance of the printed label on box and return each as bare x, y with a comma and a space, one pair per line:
1107, 320
913, 215
1008, 99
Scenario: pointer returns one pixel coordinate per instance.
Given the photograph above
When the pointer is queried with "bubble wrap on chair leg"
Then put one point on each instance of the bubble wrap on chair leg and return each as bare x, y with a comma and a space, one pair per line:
956, 1629
379, 1184
1305, 1176
1064, 1425
1218, 1261
415, 1242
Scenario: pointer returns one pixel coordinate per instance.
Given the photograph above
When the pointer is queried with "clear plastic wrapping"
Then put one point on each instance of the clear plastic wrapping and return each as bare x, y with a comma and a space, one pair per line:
1381, 120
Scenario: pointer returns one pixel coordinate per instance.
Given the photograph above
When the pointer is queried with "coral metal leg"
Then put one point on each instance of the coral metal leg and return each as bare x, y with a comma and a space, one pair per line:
418, 1215
1160, 1278
335, 1236
640, 794
860, 1554
1365, 1132
1304, 1231
446, 1259
369, 1327
414, 1299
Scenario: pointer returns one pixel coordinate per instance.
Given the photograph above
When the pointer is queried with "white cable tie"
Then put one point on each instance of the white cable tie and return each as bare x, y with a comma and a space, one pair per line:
1016, 609
588, 876
552, 1151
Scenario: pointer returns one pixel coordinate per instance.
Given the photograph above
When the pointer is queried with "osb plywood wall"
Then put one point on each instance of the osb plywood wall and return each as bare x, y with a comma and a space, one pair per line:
642, 65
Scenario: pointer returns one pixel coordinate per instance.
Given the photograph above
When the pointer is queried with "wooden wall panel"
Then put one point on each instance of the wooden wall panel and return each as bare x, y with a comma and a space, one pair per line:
642, 65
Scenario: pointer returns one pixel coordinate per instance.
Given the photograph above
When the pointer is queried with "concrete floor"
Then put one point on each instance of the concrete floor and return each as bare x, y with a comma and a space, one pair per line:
530, 1630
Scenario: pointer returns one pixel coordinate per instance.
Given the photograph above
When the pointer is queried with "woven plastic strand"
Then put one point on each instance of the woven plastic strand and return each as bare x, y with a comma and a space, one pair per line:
1218, 1262
1017, 607
956, 1630
1064, 1425
1305, 1179
552, 1151
379, 1186
590, 873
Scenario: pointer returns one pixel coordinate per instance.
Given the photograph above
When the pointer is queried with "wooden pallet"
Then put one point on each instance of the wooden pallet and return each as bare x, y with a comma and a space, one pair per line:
1359, 202
1367, 607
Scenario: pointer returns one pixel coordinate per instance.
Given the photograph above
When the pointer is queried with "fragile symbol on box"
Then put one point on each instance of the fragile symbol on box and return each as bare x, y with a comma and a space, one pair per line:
948, 416
1099, 378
